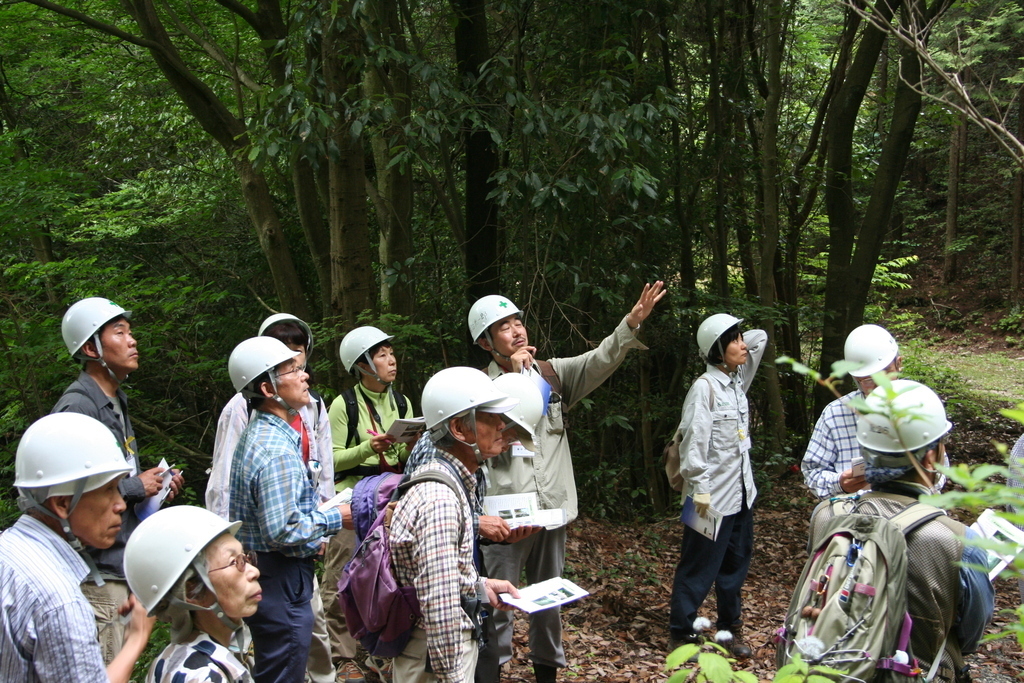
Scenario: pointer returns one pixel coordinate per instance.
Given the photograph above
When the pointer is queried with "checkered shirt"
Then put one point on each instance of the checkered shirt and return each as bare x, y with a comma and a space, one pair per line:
272, 492
432, 553
832, 447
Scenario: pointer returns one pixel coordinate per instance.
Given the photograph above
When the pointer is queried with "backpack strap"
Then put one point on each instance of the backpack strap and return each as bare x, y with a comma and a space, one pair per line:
711, 392
547, 371
432, 475
914, 515
401, 404
352, 411
318, 402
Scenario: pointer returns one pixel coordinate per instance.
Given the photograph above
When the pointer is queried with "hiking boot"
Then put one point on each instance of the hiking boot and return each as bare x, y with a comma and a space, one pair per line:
690, 638
349, 672
545, 673
732, 640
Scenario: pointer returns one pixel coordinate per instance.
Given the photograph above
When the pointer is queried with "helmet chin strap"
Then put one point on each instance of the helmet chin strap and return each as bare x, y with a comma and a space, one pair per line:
27, 501
373, 374
234, 626
494, 349
292, 412
387, 385
474, 446
99, 352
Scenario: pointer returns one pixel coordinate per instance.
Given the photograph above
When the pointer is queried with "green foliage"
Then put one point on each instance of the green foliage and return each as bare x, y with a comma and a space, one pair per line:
712, 667
1011, 322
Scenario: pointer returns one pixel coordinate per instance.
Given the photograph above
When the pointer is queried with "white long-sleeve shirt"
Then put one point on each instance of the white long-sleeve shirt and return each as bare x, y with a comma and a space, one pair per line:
714, 453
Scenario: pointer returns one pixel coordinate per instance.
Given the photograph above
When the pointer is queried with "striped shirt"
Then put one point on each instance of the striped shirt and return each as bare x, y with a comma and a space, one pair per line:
832, 447
431, 552
273, 494
47, 628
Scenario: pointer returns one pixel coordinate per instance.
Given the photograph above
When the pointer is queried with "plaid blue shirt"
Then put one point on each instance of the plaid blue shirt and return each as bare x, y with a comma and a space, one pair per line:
832, 447
272, 492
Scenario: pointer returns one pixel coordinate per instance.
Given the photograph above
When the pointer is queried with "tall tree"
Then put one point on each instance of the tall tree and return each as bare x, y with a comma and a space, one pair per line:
472, 50
218, 84
855, 237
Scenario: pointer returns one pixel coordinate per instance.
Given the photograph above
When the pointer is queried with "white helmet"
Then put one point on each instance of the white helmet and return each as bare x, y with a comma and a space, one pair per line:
164, 545
711, 329
488, 310
85, 318
288, 317
356, 345
455, 391
531, 405
59, 451
871, 346
912, 419
252, 358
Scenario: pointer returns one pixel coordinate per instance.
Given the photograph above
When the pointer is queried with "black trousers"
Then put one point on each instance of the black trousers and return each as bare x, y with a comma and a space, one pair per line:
702, 562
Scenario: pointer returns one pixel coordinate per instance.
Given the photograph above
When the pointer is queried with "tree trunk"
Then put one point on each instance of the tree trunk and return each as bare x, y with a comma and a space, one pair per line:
839, 201
770, 217
957, 144
351, 262
652, 470
264, 218
717, 117
393, 198
1017, 225
311, 216
847, 287
481, 247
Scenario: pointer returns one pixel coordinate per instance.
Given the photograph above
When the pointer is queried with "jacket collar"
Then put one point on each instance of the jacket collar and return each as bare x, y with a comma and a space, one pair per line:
93, 391
723, 378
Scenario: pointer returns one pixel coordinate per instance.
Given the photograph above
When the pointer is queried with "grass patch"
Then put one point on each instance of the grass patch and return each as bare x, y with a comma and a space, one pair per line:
996, 376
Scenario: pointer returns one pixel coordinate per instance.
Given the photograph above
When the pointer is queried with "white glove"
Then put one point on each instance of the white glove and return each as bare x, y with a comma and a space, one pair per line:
702, 503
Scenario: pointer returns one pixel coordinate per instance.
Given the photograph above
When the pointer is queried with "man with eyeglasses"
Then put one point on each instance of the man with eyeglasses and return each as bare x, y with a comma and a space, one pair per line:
312, 423
275, 494
828, 461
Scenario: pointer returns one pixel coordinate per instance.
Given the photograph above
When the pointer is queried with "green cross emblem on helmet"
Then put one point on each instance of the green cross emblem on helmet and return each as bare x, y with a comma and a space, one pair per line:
502, 304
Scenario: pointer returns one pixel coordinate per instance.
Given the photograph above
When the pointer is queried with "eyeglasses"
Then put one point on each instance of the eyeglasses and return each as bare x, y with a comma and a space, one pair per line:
297, 368
239, 562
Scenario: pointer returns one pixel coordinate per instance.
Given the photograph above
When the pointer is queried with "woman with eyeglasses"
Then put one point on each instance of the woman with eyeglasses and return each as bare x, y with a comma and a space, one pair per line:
187, 568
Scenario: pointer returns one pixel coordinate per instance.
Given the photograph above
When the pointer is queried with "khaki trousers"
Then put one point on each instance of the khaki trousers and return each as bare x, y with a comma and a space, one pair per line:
410, 666
339, 552
106, 600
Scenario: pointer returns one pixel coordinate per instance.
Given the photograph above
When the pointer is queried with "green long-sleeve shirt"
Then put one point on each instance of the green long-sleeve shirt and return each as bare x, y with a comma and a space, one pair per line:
346, 457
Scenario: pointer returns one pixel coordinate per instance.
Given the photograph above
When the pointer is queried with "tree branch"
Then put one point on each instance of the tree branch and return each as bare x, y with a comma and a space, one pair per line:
99, 25
211, 48
913, 37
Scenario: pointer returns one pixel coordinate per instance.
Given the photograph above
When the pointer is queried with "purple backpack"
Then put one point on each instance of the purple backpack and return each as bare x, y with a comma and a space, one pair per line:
369, 496
379, 613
